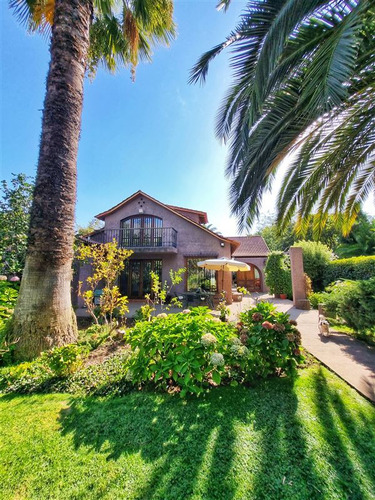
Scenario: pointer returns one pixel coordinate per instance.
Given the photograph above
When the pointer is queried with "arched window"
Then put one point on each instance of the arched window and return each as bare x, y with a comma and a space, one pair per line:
141, 231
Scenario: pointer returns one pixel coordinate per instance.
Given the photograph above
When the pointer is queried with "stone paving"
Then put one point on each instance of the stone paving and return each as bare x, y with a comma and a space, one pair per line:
352, 359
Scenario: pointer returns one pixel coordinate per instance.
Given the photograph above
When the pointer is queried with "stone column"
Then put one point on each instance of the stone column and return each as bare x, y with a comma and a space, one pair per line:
300, 300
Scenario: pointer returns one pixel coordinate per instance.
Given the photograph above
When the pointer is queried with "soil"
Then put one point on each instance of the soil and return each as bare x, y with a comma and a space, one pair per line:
105, 351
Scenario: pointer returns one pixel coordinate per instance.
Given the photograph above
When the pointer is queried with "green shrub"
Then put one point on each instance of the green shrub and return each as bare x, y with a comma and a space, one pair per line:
354, 302
64, 360
8, 298
181, 352
272, 339
316, 257
317, 298
277, 272
356, 268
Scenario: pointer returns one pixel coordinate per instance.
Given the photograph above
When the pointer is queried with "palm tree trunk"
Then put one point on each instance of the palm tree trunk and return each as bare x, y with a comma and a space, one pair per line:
43, 317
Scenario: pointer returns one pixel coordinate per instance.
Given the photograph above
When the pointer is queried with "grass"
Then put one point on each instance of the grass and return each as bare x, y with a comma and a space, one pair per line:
312, 438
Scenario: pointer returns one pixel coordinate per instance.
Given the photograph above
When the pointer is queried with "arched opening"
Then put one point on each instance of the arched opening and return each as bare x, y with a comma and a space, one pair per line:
251, 280
141, 231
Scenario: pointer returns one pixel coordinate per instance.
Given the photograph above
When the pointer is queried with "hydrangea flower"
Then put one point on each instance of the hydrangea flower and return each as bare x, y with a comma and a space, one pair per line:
278, 327
244, 338
235, 341
257, 317
293, 322
290, 337
186, 311
208, 339
217, 359
267, 325
239, 350
162, 315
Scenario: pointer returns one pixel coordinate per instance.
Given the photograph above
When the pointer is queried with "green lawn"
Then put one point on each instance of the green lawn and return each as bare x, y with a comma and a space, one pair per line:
314, 438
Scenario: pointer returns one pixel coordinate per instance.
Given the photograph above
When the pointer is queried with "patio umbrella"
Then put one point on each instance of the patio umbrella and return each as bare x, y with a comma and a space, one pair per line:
224, 264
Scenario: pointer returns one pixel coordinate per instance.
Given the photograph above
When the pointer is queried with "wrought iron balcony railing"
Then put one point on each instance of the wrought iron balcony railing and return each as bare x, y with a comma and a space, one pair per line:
150, 237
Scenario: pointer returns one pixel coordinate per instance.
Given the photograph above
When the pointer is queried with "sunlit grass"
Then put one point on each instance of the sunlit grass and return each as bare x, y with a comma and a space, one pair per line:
314, 438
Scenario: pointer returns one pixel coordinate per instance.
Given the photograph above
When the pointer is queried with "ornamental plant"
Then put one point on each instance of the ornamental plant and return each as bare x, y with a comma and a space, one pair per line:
107, 261
185, 352
272, 339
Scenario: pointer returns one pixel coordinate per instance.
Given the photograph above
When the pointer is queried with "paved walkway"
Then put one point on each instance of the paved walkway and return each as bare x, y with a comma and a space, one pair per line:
352, 359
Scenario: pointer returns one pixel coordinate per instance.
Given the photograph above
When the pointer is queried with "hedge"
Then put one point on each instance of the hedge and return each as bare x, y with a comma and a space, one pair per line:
355, 268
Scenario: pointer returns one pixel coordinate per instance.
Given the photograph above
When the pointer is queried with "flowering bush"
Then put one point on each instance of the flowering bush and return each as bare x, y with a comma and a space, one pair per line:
183, 352
272, 340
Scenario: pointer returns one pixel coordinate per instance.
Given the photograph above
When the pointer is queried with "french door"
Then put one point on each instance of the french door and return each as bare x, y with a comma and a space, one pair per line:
142, 231
135, 281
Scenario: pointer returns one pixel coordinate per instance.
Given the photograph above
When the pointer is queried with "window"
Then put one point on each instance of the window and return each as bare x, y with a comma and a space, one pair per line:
142, 231
198, 277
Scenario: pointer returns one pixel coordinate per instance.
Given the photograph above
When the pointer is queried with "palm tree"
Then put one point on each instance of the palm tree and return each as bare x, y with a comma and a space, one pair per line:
84, 33
304, 83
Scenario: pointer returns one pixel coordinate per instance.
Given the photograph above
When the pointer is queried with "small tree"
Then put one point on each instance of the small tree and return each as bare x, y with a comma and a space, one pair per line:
107, 262
14, 223
160, 291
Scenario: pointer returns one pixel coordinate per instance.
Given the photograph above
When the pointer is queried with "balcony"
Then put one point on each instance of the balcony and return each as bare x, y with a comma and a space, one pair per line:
145, 240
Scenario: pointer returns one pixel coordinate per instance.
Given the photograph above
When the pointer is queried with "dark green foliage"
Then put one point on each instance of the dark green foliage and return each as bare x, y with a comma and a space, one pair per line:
277, 272
316, 257
353, 302
273, 341
303, 74
14, 223
356, 268
361, 240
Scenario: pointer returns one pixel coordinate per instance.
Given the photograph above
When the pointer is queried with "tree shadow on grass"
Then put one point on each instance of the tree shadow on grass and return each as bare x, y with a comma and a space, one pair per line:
245, 443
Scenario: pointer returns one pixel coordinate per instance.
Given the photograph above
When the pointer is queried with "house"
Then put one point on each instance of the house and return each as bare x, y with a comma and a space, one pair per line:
165, 237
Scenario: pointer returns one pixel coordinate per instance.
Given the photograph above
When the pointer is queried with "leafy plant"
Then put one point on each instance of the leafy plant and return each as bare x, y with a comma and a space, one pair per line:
107, 261
64, 360
272, 339
161, 291
182, 352
8, 298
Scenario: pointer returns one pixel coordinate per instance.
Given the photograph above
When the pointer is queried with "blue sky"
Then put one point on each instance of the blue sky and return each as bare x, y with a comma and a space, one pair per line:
156, 134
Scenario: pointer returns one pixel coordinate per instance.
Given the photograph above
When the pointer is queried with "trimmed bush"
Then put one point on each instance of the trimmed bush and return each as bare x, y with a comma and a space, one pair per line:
278, 276
355, 268
316, 257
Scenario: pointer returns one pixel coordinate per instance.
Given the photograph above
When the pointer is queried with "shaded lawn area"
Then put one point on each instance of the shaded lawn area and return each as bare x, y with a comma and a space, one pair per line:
311, 439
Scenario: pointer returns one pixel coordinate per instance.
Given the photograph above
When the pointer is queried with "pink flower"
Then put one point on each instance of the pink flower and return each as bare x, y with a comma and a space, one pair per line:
267, 325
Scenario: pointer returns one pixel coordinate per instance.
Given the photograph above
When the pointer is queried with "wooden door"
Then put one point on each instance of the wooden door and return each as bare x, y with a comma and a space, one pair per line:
249, 279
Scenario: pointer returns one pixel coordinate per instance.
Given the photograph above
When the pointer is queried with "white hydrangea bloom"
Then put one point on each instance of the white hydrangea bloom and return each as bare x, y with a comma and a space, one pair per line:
162, 315
208, 339
217, 359
235, 341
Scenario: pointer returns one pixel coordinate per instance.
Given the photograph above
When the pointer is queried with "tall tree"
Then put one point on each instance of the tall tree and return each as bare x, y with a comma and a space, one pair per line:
84, 33
304, 82
14, 222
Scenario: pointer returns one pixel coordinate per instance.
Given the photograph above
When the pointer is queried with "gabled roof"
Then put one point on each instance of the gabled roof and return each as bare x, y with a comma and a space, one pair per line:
250, 246
171, 208
203, 219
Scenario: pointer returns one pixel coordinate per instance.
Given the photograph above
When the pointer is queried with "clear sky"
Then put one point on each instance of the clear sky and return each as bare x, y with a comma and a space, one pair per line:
156, 134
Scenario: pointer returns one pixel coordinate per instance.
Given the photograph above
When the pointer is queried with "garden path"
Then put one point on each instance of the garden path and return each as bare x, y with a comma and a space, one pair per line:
351, 359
